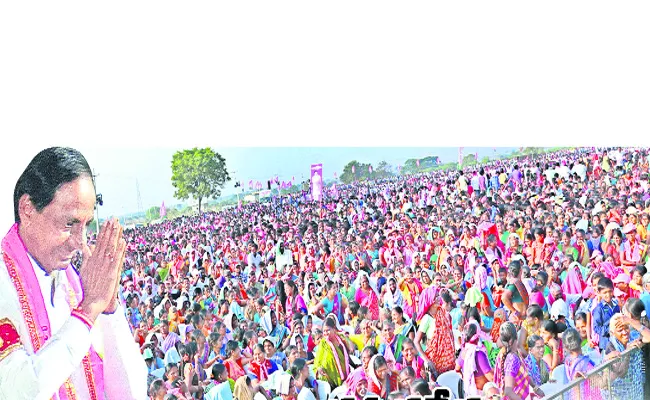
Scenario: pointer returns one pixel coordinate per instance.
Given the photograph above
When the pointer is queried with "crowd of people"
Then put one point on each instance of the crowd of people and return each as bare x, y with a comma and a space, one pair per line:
497, 281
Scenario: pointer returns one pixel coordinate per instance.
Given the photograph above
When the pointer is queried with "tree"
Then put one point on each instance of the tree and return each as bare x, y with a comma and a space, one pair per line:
469, 160
360, 172
152, 213
485, 160
199, 173
383, 170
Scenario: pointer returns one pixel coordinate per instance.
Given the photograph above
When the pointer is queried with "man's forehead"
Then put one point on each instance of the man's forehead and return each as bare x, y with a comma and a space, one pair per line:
75, 200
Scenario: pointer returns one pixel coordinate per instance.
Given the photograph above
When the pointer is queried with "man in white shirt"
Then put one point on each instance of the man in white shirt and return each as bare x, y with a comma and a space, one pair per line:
63, 333
283, 258
254, 258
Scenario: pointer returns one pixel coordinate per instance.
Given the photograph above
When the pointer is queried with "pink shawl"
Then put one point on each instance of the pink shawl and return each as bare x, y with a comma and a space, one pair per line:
34, 312
573, 284
427, 299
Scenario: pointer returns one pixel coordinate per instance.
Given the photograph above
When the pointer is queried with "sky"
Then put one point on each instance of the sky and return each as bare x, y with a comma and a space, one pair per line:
128, 89
121, 171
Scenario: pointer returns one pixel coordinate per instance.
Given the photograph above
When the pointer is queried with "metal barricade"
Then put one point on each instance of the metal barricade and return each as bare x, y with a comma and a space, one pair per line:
621, 378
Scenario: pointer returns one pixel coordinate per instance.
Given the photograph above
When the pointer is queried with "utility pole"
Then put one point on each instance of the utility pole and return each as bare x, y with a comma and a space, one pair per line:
137, 188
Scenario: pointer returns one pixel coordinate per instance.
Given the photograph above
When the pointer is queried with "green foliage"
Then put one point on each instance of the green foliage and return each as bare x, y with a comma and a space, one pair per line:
198, 173
360, 172
426, 164
485, 160
152, 214
383, 171
469, 160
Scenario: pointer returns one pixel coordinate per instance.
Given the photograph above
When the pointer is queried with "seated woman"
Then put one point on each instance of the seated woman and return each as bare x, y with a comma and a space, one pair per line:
553, 352
628, 374
287, 388
410, 358
220, 388
531, 325
331, 361
299, 370
369, 335
245, 390
538, 370
473, 364
233, 362
381, 380
260, 368
358, 387
403, 326
277, 357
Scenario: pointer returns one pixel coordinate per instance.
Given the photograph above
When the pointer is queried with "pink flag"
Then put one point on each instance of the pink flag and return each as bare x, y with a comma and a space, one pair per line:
163, 210
370, 169
399, 167
250, 184
417, 162
476, 156
335, 175
353, 169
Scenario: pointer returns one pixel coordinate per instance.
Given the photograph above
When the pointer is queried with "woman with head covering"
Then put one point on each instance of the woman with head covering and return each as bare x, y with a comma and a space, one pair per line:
393, 296
270, 349
357, 386
269, 323
426, 278
435, 329
411, 289
366, 295
245, 390
382, 381
473, 363
485, 303
287, 387
573, 282
331, 361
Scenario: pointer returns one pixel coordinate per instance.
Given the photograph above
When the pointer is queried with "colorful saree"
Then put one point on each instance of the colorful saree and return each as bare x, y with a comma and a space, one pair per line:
369, 300
511, 365
333, 358
440, 348
410, 292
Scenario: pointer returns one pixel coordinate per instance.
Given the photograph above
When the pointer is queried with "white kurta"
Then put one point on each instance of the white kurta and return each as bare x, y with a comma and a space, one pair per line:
28, 376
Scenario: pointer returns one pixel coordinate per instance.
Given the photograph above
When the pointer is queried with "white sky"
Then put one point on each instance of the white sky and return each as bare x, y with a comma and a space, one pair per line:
112, 78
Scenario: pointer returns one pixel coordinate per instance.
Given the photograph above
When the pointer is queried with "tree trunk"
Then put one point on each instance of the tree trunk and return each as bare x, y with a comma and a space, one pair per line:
200, 205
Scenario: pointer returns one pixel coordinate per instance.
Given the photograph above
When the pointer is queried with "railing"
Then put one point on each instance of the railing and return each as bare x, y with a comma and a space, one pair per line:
620, 378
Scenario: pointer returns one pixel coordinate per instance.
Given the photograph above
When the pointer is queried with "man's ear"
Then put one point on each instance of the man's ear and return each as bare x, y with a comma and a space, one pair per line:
26, 208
